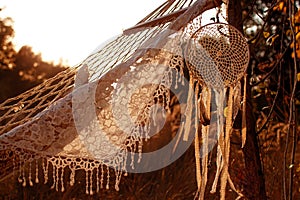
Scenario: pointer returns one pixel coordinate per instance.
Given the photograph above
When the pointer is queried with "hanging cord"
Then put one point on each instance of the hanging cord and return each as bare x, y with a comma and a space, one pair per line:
189, 110
205, 138
228, 129
226, 7
197, 142
244, 106
219, 100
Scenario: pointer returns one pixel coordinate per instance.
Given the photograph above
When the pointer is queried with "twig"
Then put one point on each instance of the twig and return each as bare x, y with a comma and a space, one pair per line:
274, 67
292, 115
292, 120
272, 107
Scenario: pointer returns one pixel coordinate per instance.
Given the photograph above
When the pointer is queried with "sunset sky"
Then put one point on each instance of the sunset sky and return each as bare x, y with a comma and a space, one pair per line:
71, 30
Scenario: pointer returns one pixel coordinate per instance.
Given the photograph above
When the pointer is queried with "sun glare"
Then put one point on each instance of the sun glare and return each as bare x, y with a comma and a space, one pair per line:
69, 31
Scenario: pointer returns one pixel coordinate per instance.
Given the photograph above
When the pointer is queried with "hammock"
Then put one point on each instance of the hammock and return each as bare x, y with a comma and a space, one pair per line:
97, 115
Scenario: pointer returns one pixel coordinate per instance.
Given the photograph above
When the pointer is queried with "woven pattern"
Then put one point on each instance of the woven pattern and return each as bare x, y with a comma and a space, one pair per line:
167, 8
218, 55
118, 51
20, 109
37, 104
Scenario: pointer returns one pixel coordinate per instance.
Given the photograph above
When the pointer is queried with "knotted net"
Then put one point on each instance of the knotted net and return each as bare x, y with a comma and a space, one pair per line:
218, 55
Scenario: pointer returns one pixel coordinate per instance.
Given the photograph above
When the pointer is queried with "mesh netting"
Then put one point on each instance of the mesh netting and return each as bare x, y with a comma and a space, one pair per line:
20, 109
217, 54
41, 123
168, 8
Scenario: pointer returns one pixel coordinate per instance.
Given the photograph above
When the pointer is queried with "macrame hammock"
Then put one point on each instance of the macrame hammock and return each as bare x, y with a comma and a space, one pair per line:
100, 119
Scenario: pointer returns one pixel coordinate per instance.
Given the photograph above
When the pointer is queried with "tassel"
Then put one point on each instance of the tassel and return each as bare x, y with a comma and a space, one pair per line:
205, 133
244, 122
219, 98
204, 161
189, 110
219, 163
228, 128
197, 143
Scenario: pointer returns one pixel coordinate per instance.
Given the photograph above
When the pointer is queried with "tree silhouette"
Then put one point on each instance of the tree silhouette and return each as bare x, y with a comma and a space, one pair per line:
22, 70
